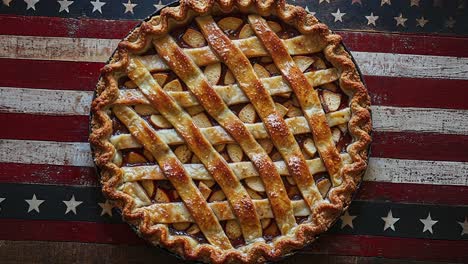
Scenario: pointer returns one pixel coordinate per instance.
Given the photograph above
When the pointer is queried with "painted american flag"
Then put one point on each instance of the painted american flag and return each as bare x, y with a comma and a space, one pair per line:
412, 205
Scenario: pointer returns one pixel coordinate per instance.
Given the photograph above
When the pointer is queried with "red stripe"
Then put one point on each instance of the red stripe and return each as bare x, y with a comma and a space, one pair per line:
47, 174
48, 230
370, 191
44, 127
420, 146
413, 193
389, 247
60, 75
117, 29
65, 27
392, 247
405, 43
417, 92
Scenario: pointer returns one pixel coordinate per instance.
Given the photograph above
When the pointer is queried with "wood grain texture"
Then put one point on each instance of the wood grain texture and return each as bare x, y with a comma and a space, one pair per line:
46, 102
12, 252
429, 120
53, 75
45, 152
82, 76
398, 145
116, 29
330, 244
99, 50
385, 118
417, 92
56, 49
409, 65
369, 191
380, 169
417, 171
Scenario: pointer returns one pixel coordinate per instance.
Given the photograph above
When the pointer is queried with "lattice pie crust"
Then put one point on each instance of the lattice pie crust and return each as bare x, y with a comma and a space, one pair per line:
231, 131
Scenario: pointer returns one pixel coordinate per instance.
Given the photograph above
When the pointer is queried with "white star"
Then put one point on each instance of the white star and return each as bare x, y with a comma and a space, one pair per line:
421, 22
371, 19
347, 220
450, 23
97, 6
71, 205
7, 2
390, 221
129, 7
1, 200
414, 2
320, 1
106, 208
428, 223
338, 15
464, 226
159, 5
400, 20
31, 4
64, 4
34, 204
383, 2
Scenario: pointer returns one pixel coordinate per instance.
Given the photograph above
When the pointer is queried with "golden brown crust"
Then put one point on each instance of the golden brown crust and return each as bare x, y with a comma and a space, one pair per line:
324, 213
216, 108
198, 143
176, 174
307, 96
279, 132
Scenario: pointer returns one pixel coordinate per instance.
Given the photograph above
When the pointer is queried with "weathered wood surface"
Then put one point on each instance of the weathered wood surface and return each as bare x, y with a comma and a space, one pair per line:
99, 50
71, 252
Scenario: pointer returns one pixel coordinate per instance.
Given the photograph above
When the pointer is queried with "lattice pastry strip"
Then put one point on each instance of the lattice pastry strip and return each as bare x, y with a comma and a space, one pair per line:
232, 94
307, 96
178, 212
181, 97
197, 142
251, 47
176, 173
217, 135
193, 77
253, 88
243, 170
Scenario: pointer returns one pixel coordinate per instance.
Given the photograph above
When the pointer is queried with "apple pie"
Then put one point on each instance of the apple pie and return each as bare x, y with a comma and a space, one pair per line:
229, 130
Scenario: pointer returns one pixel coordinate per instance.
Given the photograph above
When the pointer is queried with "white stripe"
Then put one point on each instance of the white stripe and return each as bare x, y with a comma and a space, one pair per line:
385, 118
417, 171
44, 102
409, 65
45, 152
56, 48
99, 50
380, 169
412, 119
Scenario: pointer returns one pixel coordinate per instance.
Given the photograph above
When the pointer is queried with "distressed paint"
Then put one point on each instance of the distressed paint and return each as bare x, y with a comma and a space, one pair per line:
416, 66
44, 102
385, 118
431, 120
115, 29
99, 50
45, 152
61, 49
417, 171
380, 169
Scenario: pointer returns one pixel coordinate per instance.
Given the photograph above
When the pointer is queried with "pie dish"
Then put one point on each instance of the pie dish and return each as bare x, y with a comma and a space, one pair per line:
231, 131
